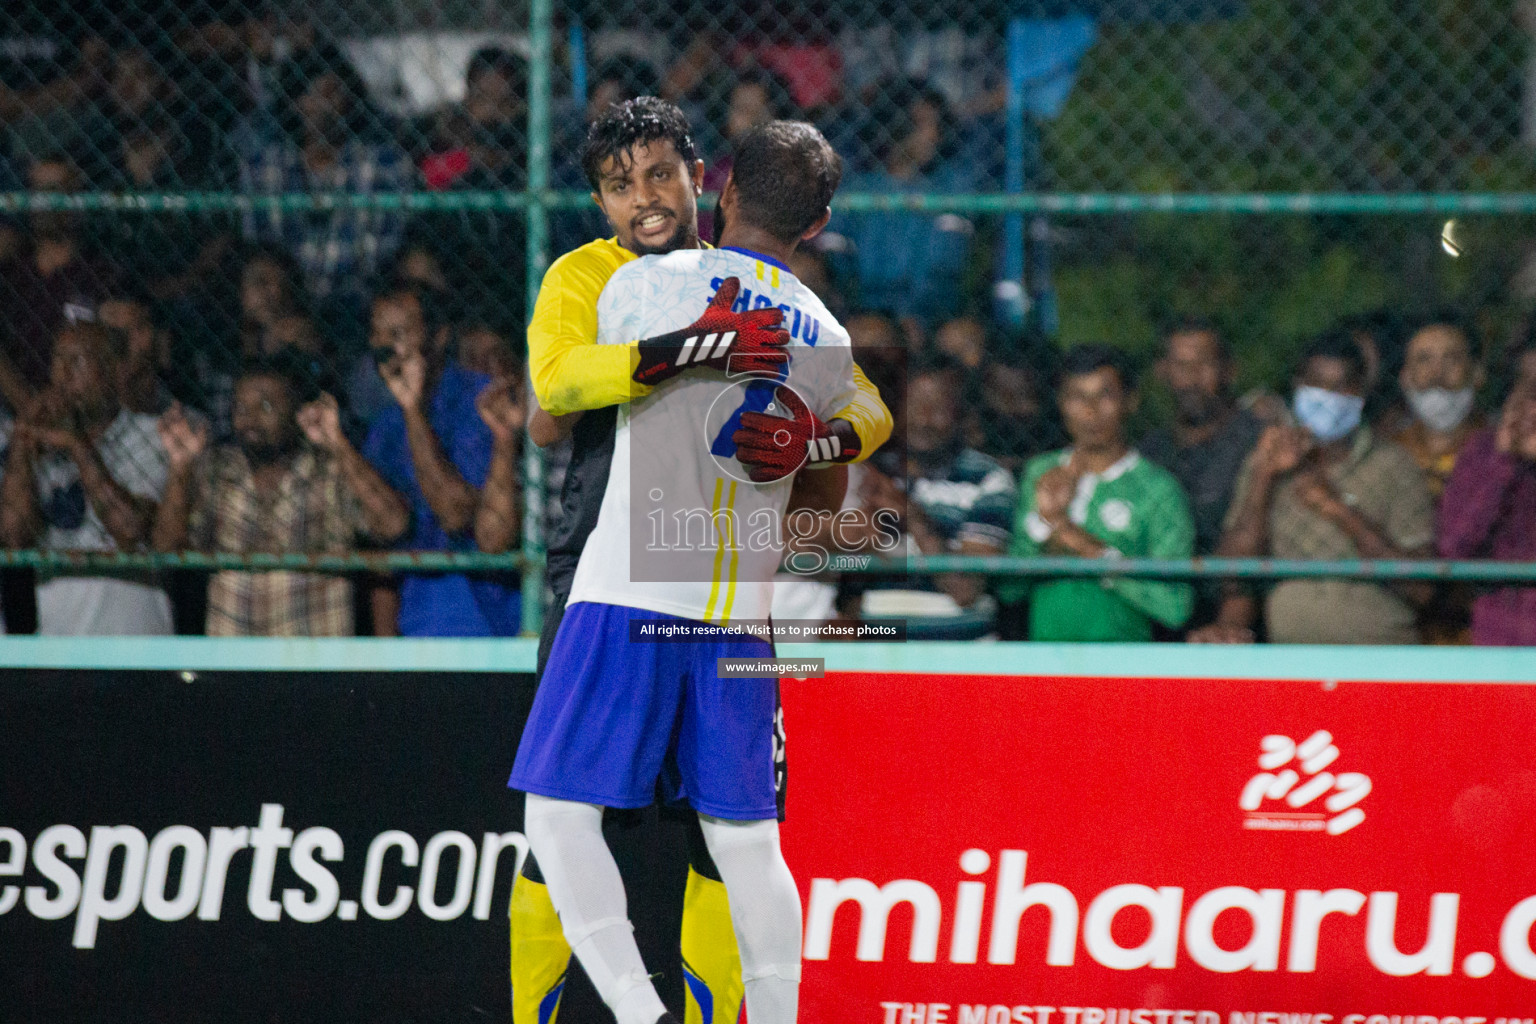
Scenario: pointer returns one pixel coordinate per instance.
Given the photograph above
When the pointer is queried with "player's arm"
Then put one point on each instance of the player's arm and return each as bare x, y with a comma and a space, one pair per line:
569, 370
545, 430
819, 490
866, 416
572, 373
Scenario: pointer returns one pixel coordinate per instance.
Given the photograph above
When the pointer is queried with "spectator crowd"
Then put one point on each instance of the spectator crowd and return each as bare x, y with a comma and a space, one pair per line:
319, 380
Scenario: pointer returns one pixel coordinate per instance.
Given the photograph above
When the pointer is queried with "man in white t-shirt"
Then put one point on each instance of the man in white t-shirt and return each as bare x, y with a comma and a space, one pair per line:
85, 474
689, 538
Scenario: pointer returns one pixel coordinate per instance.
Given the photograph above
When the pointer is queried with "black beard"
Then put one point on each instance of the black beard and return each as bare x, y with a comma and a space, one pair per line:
679, 240
719, 226
266, 453
1198, 410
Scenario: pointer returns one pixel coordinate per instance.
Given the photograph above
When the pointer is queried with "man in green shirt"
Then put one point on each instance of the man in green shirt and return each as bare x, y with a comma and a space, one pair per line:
1099, 499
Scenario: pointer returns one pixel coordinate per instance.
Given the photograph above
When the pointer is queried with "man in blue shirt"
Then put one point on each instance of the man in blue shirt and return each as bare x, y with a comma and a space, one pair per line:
434, 449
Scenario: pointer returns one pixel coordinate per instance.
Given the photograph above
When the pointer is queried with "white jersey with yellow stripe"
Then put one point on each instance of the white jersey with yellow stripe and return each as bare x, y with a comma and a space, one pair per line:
682, 529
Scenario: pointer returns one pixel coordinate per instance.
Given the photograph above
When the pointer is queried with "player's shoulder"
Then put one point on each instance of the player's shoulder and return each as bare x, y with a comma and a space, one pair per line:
680, 269
830, 331
595, 261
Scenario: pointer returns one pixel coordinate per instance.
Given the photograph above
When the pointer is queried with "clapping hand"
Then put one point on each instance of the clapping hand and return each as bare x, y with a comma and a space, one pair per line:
1054, 491
1517, 425
502, 408
184, 441
321, 422
1281, 449
49, 424
1316, 492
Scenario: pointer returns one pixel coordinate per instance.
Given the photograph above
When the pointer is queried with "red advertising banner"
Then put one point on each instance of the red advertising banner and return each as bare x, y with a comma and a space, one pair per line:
1031, 850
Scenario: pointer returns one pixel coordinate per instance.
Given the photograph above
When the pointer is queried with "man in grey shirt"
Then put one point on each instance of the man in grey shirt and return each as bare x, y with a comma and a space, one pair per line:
1209, 439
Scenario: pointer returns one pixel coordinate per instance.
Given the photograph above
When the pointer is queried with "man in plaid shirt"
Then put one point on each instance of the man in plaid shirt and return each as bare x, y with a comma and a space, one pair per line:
272, 492
322, 138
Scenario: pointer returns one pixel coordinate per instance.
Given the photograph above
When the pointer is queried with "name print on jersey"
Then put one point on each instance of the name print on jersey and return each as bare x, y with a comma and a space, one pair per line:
801, 325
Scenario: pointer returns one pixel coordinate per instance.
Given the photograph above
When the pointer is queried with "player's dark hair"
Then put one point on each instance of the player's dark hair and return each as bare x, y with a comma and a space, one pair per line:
785, 174
1336, 344
623, 126
1081, 360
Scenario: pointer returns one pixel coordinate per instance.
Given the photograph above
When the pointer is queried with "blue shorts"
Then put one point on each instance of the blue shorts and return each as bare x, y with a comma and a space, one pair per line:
613, 716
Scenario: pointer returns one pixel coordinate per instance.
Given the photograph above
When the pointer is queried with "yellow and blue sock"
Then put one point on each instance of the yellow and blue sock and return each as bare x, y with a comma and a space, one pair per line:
540, 954
711, 961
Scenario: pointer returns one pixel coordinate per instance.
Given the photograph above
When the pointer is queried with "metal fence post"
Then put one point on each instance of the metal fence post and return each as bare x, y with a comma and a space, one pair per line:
540, 28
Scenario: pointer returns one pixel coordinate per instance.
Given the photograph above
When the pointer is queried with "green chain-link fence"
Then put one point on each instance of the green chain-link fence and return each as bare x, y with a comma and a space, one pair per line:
228, 180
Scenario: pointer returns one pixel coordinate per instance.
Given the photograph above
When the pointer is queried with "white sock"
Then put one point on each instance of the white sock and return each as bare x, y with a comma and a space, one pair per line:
765, 914
588, 894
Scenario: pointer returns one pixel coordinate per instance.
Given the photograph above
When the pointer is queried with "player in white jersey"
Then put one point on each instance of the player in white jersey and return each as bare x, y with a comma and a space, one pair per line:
618, 711
674, 453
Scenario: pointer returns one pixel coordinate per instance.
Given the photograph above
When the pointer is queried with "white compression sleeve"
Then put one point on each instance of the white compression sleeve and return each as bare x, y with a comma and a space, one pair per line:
588, 894
765, 912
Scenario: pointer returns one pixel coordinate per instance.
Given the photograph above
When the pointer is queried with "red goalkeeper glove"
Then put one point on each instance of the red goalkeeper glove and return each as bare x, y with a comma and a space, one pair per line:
772, 447
752, 341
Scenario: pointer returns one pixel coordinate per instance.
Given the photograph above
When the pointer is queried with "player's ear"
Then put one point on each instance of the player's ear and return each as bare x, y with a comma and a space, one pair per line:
697, 173
728, 194
817, 228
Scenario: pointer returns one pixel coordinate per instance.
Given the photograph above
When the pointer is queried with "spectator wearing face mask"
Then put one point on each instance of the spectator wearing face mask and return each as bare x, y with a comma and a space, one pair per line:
1439, 382
1327, 488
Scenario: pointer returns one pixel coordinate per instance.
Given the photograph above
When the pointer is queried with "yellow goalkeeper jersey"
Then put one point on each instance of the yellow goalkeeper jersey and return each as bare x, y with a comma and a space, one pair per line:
571, 372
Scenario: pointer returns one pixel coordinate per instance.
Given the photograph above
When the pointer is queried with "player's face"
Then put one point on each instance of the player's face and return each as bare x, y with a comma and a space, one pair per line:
650, 196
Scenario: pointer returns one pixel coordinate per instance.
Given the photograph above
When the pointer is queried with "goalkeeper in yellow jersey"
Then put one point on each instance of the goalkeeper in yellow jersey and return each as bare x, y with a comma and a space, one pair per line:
646, 176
